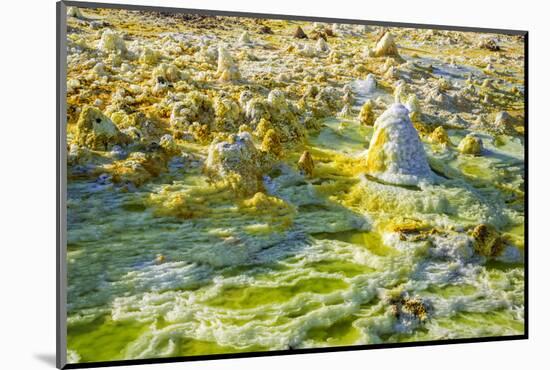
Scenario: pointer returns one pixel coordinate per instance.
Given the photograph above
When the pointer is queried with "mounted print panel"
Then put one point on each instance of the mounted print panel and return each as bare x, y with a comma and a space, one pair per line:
241, 184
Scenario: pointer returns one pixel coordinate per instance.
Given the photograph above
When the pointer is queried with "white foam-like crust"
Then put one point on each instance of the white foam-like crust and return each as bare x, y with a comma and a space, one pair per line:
406, 162
187, 314
146, 292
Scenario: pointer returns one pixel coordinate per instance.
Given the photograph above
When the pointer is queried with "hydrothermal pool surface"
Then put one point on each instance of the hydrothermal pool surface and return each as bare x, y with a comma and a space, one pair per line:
241, 185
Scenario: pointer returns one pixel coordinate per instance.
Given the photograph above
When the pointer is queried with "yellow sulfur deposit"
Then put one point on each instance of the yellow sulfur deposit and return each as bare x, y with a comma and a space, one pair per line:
366, 115
471, 144
306, 164
439, 136
97, 131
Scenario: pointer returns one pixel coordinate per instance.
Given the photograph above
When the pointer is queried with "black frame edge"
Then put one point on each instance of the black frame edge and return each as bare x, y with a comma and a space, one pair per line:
304, 351
526, 175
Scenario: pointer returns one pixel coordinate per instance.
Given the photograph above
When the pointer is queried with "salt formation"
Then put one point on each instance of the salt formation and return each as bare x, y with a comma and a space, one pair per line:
299, 33
396, 154
165, 73
236, 161
138, 168
195, 107
439, 136
489, 44
274, 112
168, 144
305, 163
409, 312
149, 56
471, 144
112, 42
228, 113
244, 38
277, 99
487, 241
99, 70
307, 50
256, 109
346, 111
271, 143
391, 73
96, 131
321, 45
73, 11
413, 105
245, 97
399, 91
227, 68
366, 86
366, 115
504, 122
348, 95
385, 47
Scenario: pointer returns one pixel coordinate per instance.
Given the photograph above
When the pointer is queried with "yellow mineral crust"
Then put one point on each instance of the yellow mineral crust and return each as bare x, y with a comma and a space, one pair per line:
471, 144
487, 240
261, 203
96, 131
138, 168
271, 143
366, 114
439, 136
305, 163
178, 204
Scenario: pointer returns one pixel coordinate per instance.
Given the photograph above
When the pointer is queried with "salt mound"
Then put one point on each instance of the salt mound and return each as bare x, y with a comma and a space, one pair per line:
385, 47
73, 11
149, 56
111, 42
96, 131
237, 161
346, 111
305, 164
504, 122
299, 33
227, 68
471, 144
440, 136
366, 115
396, 154
322, 45
244, 38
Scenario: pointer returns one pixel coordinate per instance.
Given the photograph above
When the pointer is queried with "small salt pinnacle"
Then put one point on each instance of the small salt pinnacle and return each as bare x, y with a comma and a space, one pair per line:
265, 30
299, 33
439, 136
471, 144
305, 163
160, 259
